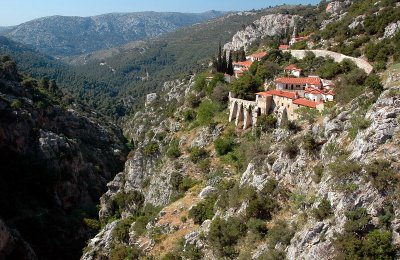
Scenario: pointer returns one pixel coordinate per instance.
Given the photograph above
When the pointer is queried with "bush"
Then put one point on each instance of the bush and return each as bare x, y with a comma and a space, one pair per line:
223, 145
200, 82
266, 122
357, 220
257, 226
15, 104
358, 123
224, 235
173, 149
203, 210
323, 210
193, 100
318, 172
121, 251
197, 154
309, 144
189, 115
382, 174
261, 207
344, 168
291, 148
121, 230
206, 112
307, 114
220, 94
151, 149
374, 82
280, 233
93, 224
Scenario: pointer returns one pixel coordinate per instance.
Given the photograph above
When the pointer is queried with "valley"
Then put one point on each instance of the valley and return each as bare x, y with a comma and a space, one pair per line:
263, 134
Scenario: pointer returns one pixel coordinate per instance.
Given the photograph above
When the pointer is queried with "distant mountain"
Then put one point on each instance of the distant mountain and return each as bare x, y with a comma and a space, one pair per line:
64, 36
5, 29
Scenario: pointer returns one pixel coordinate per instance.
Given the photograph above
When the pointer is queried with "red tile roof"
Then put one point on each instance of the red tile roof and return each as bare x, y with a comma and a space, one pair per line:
259, 55
283, 47
292, 67
279, 93
299, 81
306, 102
246, 63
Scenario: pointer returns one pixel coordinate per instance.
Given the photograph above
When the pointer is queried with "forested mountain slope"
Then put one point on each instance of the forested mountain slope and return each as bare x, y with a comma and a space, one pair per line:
63, 35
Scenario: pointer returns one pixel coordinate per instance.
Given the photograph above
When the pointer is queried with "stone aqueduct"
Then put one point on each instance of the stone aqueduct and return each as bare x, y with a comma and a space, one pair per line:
244, 112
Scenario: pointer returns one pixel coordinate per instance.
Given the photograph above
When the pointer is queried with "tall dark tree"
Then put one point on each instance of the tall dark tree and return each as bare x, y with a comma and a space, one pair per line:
219, 58
229, 69
224, 64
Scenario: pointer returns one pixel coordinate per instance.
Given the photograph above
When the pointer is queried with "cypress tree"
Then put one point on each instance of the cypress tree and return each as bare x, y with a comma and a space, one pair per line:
219, 58
229, 70
224, 64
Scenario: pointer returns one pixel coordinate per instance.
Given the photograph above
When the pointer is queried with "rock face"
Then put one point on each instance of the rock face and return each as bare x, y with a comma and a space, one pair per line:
54, 161
60, 35
391, 29
12, 246
268, 25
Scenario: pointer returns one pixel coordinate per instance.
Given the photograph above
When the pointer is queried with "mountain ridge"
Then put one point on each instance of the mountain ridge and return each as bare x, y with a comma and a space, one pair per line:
71, 35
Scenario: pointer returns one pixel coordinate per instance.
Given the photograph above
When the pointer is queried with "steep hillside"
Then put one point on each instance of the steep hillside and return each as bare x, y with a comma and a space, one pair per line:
64, 36
56, 158
322, 186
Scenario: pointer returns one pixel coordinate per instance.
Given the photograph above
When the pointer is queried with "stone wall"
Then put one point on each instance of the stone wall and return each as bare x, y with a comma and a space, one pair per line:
338, 57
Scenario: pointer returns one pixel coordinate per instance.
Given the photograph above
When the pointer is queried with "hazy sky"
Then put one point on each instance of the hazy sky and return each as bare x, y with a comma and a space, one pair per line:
14, 12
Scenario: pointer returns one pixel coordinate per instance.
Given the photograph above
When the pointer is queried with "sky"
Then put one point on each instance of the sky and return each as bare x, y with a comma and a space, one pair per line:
13, 12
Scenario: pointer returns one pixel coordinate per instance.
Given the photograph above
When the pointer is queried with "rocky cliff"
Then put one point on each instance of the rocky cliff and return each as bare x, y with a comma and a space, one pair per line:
268, 25
56, 158
310, 191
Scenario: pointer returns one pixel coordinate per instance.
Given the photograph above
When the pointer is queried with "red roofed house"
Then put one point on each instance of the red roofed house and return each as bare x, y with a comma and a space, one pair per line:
297, 84
283, 47
292, 70
257, 56
241, 66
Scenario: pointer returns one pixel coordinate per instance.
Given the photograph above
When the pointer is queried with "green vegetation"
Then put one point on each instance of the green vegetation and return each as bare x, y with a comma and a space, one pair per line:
224, 145
323, 210
206, 112
361, 241
382, 175
281, 232
224, 235
203, 210
173, 149
151, 149
197, 154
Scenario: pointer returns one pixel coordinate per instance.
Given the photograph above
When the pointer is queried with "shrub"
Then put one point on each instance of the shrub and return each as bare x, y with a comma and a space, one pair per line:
357, 220
220, 94
197, 154
266, 122
203, 210
344, 168
121, 230
15, 104
280, 233
257, 226
307, 114
261, 207
318, 172
382, 174
224, 235
323, 210
200, 82
291, 149
173, 149
189, 115
309, 144
206, 112
193, 100
121, 251
358, 123
93, 224
374, 82
151, 149
223, 145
